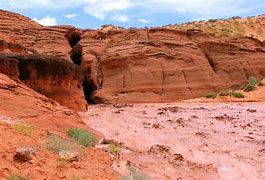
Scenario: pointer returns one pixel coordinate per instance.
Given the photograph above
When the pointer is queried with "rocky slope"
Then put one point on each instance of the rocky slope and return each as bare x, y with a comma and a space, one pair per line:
29, 119
141, 65
236, 26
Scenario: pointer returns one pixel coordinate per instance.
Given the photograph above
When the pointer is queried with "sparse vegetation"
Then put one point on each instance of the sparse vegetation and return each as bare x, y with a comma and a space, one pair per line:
113, 149
57, 144
238, 95
16, 177
225, 92
23, 129
252, 83
212, 95
249, 87
83, 137
229, 27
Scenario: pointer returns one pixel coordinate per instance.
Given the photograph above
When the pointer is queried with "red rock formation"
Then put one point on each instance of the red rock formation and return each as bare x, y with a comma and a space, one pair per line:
162, 65
25, 32
143, 65
51, 76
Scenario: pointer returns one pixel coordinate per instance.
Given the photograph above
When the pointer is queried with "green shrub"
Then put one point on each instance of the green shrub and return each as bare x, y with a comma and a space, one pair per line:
252, 81
113, 149
224, 92
212, 95
82, 137
16, 177
249, 87
57, 144
238, 95
23, 129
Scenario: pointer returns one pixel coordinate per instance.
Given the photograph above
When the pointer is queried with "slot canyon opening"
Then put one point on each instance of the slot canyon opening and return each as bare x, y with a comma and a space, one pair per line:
88, 92
73, 36
76, 54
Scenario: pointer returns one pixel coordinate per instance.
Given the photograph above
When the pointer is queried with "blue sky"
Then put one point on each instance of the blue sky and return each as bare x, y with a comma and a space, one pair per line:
130, 13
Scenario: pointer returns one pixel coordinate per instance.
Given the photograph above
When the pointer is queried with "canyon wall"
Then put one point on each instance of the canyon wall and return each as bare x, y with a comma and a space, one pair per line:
163, 65
128, 65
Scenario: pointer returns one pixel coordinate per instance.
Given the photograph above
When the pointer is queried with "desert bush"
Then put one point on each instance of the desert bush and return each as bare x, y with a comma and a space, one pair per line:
57, 144
212, 95
113, 149
249, 87
253, 81
23, 129
224, 92
83, 137
16, 177
238, 95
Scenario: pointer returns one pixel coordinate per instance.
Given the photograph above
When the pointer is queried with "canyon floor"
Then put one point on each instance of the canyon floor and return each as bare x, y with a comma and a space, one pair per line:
186, 140
189, 140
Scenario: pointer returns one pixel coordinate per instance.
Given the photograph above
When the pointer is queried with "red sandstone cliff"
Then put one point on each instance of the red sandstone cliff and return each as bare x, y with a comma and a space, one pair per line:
137, 65
161, 65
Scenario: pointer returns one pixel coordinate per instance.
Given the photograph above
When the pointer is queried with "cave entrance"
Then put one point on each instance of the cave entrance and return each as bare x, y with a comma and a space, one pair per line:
88, 92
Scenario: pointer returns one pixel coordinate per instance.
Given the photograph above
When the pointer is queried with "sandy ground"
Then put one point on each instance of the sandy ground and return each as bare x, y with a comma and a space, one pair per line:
187, 140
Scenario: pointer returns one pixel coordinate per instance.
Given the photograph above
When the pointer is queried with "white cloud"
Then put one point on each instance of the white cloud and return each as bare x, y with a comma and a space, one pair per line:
144, 21
107, 9
70, 16
46, 21
120, 18
103, 8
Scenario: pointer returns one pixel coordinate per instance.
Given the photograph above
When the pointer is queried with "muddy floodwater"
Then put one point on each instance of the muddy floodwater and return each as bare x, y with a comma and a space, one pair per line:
187, 140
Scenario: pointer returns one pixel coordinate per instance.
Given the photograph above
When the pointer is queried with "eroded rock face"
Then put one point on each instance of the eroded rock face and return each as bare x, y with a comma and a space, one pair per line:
162, 65
25, 32
142, 65
54, 77
22, 45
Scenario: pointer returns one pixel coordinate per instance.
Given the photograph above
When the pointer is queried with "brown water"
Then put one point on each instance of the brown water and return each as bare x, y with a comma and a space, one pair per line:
188, 140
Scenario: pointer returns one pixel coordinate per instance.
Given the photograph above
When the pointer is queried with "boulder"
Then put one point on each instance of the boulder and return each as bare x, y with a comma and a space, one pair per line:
24, 154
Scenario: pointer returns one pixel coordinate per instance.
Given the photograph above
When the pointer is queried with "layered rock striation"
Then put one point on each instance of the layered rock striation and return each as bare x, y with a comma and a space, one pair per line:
163, 65
56, 78
127, 65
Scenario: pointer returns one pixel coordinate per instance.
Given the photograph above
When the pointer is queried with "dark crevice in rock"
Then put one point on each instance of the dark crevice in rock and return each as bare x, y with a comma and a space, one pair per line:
24, 73
76, 54
88, 91
73, 36
210, 62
